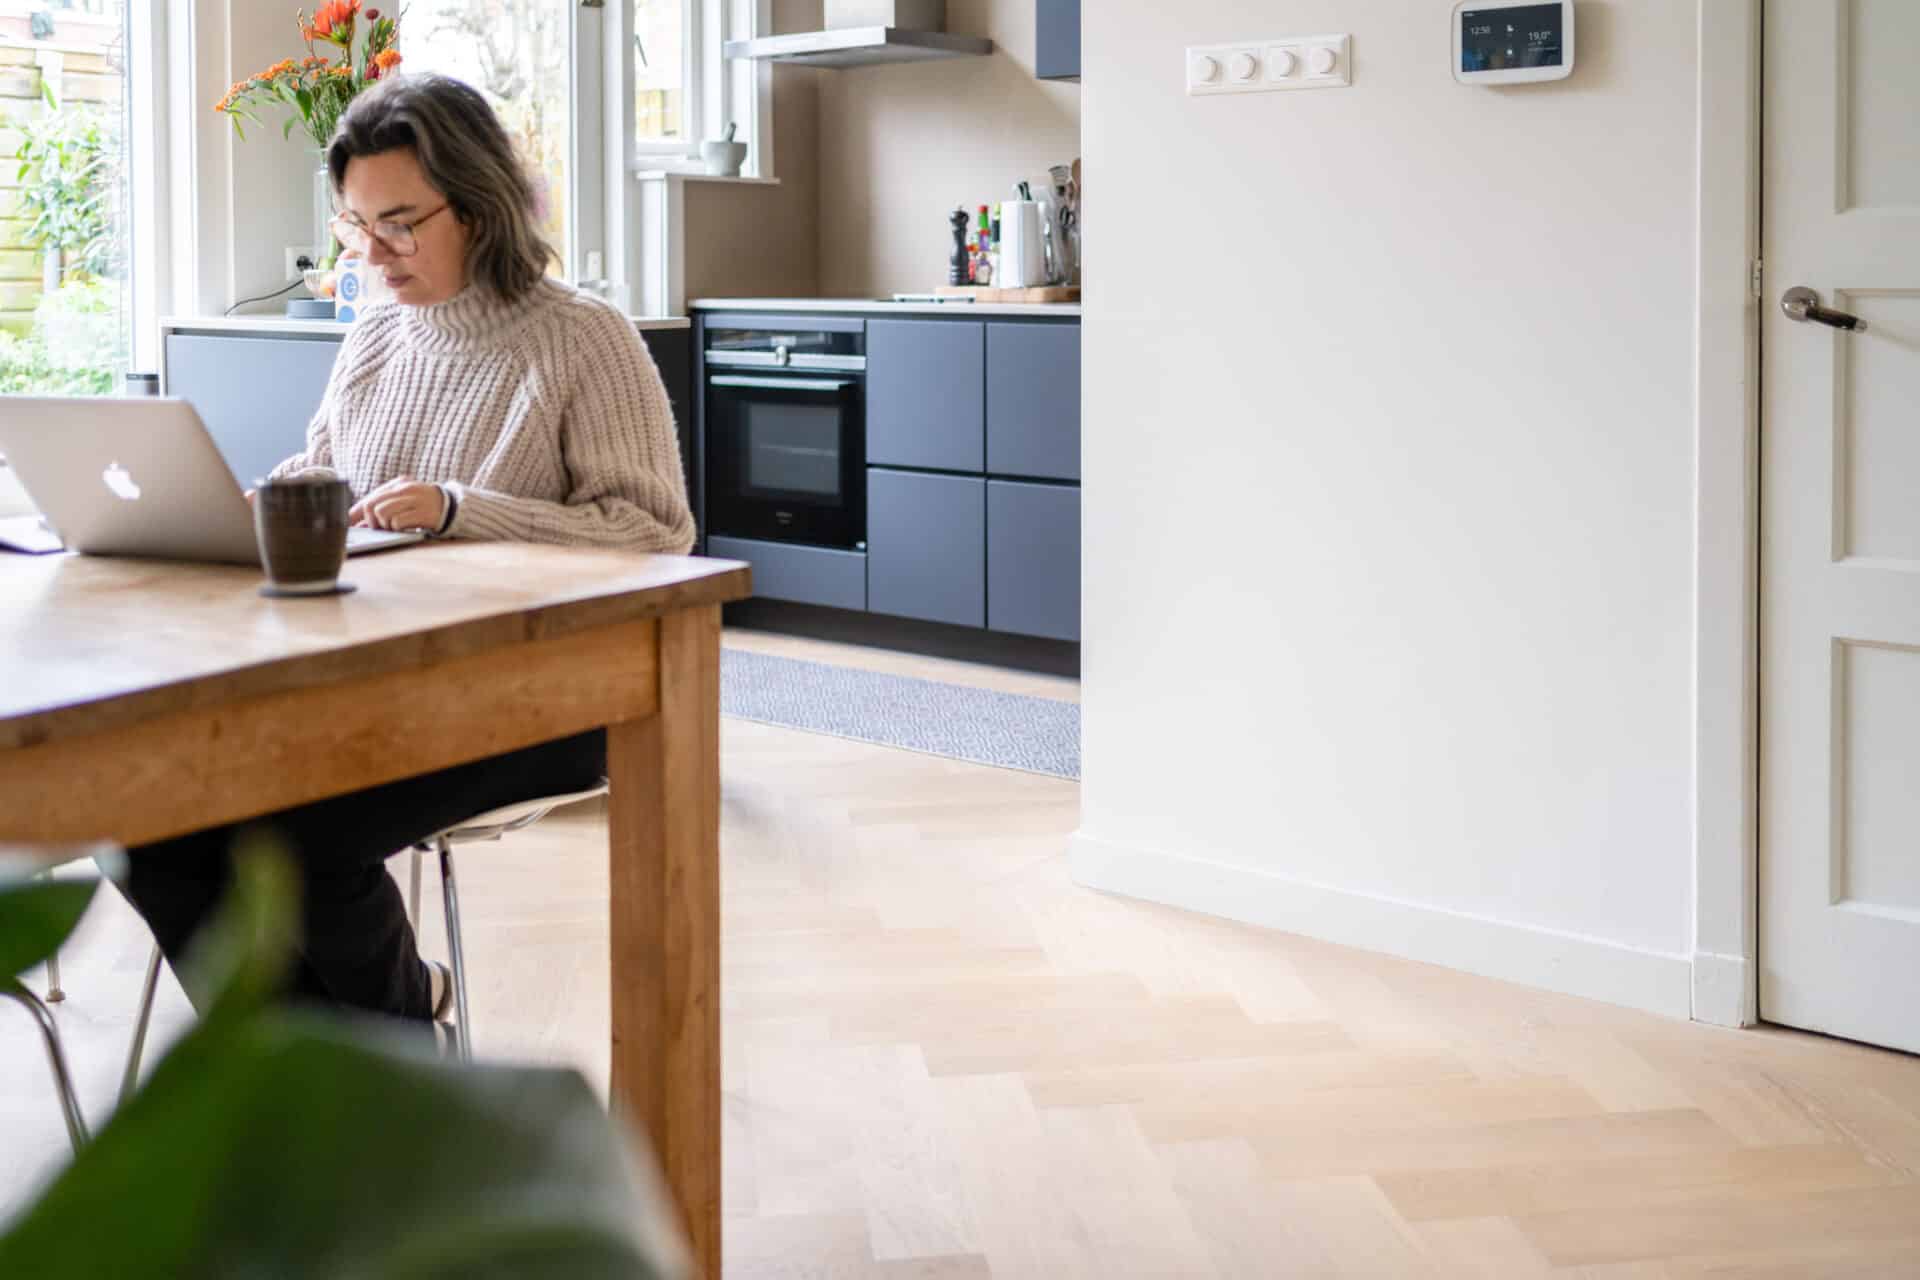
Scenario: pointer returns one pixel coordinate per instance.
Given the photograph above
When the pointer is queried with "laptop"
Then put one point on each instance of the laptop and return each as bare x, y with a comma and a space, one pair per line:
138, 476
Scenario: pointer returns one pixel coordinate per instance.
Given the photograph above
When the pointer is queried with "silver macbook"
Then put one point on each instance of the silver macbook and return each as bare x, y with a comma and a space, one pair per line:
138, 476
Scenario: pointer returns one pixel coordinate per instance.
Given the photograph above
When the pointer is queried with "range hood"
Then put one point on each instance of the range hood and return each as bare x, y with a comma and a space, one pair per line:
861, 33
859, 47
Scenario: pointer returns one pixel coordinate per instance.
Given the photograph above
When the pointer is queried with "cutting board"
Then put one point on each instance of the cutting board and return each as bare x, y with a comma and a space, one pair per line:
1047, 293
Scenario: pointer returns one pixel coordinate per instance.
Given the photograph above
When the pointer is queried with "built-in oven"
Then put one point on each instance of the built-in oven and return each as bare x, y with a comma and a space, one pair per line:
786, 429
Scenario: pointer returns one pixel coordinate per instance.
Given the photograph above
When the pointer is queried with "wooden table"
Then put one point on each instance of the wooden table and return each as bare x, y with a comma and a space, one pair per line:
143, 699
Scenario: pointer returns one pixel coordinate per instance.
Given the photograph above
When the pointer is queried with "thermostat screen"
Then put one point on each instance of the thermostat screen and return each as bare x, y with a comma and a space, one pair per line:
1504, 39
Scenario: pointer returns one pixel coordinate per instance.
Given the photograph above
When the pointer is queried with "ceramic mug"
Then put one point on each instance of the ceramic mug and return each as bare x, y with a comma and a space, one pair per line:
301, 525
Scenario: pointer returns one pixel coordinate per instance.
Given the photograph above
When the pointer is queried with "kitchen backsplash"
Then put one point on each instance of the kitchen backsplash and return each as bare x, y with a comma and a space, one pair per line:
902, 145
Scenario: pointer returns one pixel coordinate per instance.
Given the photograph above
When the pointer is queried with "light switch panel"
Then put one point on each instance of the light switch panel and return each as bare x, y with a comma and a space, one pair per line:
1270, 66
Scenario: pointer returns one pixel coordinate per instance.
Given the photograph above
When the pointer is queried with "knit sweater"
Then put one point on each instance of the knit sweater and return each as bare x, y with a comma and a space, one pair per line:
545, 419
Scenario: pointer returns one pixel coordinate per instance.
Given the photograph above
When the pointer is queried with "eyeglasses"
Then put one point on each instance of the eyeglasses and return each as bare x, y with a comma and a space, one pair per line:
396, 237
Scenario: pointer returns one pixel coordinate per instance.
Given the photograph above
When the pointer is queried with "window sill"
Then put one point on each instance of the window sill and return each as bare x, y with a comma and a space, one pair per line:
664, 175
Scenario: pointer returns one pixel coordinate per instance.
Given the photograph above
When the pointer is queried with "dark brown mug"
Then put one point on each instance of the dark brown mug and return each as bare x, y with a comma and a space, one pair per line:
301, 523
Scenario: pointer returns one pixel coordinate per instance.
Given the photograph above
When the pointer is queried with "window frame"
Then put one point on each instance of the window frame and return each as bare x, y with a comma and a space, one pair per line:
649, 152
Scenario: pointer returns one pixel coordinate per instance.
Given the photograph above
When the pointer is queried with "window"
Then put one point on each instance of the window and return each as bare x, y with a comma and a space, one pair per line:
66, 218
685, 90
519, 53
663, 75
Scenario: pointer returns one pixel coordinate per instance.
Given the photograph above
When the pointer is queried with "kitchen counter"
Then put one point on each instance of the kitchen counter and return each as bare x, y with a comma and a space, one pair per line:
872, 306
269, 326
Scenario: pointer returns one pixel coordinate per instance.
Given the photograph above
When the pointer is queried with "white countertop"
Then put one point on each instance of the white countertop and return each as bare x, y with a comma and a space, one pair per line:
871, 306
332, 328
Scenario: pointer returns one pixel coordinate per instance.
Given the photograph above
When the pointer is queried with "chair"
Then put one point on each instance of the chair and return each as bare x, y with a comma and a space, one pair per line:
13, 989
491, 825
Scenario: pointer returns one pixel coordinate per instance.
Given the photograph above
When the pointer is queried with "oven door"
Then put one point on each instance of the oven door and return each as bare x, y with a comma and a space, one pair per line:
786, 458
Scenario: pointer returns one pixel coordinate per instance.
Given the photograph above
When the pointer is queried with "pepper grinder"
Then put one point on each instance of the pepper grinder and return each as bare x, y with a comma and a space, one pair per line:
957, 267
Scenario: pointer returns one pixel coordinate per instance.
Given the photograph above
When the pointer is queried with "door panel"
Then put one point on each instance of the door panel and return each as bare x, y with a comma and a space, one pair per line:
926, 394
1840, 531
1033, 400
927, 547
1033, 559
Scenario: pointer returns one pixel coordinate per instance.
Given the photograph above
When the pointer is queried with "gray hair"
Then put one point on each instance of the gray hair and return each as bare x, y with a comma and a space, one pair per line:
467, 156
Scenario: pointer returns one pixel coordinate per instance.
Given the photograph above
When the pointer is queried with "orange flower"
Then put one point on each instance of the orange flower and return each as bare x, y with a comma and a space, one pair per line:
387, 59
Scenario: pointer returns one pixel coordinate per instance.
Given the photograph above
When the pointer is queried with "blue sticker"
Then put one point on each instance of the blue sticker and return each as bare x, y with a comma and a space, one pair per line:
350, 286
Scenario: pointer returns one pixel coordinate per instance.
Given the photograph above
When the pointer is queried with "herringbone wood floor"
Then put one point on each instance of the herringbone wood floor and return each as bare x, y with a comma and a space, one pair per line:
943, 1059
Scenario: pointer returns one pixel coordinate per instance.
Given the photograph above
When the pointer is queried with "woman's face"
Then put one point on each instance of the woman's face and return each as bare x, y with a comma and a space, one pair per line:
392, 187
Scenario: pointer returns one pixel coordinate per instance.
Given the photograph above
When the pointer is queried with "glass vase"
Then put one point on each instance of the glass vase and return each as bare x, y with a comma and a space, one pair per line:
322, 215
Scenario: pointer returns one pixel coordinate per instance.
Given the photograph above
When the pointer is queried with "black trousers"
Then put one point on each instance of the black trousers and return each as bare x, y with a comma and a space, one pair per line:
357, 949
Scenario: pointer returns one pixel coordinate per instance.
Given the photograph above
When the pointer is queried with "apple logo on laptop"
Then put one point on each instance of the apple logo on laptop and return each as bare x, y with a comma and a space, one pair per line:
120, 480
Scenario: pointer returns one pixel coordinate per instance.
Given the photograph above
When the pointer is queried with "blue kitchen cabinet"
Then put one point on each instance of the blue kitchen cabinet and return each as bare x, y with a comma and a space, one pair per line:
801, 574
926, 546
1033, 400
256, 395
1057, 40
926, 394
1033, 559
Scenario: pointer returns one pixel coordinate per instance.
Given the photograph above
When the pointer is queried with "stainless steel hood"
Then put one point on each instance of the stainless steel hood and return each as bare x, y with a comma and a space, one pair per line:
859, 47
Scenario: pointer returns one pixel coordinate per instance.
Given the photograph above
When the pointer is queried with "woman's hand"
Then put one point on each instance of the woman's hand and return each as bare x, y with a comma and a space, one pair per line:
402, 503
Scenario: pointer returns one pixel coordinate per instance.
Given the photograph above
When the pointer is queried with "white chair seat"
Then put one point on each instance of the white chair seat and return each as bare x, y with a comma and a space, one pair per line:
514, 814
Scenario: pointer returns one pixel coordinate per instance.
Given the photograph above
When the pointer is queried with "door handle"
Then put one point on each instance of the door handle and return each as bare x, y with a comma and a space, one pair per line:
781, 384
1802, 304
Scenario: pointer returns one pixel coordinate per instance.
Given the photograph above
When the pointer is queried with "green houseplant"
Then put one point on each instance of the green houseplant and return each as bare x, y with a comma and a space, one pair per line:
268, 1143
65, 173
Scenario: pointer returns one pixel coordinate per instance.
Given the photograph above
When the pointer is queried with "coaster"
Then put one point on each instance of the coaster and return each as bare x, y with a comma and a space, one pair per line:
297, 593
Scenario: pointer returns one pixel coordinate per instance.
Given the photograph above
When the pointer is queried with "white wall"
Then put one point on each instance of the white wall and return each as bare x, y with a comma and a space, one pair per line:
260, 189
1389, 492
272, 178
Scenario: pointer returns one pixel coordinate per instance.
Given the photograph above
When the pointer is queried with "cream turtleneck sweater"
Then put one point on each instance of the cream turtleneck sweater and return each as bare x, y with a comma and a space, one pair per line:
545, 419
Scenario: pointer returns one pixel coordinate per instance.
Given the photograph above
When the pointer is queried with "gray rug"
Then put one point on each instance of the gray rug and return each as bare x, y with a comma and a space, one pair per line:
1011, 730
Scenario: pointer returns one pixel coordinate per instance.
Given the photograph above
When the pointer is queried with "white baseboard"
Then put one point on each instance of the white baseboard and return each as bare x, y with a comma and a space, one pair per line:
1564, 962
1723, 990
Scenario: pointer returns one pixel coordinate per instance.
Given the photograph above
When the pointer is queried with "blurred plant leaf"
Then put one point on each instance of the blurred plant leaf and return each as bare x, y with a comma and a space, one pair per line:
278, 1145
286, 1145
240, 960
36, 914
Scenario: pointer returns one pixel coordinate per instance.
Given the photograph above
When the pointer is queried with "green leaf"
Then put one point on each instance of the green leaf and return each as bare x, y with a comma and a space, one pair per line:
283, 1145
37, 915
239, 962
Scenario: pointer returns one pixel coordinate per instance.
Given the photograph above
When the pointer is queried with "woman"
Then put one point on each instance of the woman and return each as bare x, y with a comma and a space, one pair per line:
489, 402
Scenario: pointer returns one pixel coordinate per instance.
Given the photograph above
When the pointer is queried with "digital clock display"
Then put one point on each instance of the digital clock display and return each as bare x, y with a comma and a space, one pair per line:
1504, 39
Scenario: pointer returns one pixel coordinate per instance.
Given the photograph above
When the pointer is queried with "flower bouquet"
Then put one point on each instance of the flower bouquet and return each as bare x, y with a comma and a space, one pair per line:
318, 87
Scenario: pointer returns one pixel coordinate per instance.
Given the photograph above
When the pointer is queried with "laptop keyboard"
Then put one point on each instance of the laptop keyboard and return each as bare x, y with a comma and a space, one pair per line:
361, 538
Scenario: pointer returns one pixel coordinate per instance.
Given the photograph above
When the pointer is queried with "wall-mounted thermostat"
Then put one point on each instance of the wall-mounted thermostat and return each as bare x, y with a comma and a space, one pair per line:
1512, 41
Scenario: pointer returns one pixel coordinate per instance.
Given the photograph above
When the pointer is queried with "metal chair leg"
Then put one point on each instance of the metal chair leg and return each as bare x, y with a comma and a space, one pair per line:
140, 1024
413, 894
55, 994
56, 1059
451, 896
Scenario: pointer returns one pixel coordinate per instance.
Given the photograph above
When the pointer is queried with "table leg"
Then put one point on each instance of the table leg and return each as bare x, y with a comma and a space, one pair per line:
664, 825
